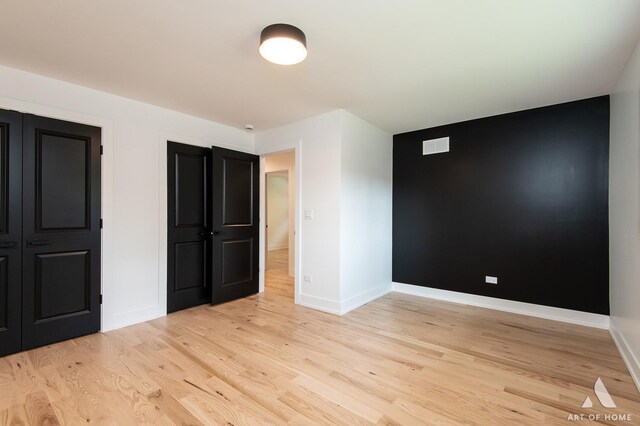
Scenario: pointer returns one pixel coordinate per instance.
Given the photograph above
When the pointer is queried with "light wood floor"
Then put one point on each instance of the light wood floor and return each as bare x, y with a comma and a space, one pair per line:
276, 278
397, 360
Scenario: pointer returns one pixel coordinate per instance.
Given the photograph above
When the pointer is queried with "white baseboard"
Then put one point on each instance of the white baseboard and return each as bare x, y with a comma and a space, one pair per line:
132, 317
363, 298
320, 303
630, 359
558, 314
337, 307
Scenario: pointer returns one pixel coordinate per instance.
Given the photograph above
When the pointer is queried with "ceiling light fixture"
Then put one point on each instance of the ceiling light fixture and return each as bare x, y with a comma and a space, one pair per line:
283, 44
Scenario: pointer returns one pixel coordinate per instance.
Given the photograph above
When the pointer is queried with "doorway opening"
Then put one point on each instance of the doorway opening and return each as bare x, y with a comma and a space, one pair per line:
279, 241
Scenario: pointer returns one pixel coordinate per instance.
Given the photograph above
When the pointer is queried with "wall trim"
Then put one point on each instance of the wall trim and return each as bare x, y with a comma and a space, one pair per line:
547, 312
363, 298
135, 316
629, 358
278, 247
336, 307
320, 303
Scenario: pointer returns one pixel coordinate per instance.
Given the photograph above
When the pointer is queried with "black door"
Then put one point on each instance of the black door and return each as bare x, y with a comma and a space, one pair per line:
61, 231
10, 231
189, 226
235, 224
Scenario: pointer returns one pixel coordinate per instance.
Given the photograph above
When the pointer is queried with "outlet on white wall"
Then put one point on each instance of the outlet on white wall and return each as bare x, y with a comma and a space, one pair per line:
308, 278
491, 280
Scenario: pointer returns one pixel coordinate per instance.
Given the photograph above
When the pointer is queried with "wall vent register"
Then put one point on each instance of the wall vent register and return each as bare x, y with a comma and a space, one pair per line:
435, 146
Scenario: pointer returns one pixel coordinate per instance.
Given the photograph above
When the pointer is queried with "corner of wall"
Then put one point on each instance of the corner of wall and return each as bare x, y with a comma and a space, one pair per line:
630, 359
624, 222
363, 298
365, 212
252, 142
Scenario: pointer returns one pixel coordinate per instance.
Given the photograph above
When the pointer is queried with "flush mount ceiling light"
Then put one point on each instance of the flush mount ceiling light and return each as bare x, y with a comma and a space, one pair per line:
283, 44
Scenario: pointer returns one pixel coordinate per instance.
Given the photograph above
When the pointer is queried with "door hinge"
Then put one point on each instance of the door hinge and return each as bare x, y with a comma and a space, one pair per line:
101, 223
101, 299
101, 149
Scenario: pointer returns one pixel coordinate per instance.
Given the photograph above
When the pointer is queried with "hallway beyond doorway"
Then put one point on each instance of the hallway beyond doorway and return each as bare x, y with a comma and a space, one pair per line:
277, 279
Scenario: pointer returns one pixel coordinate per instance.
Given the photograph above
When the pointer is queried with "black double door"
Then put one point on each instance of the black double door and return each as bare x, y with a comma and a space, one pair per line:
10, 232
212, 254
49, 231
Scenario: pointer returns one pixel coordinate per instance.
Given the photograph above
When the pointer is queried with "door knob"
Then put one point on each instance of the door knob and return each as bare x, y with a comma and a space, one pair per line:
215, 233
205, 234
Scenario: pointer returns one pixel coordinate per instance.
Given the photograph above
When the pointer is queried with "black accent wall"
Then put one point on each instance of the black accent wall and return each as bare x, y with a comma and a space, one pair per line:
520, 196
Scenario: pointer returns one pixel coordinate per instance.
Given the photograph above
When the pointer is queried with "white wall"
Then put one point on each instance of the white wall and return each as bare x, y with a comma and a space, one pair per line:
287, 161
365, 212
345, 165
277, 211
134, 181
317, 144
624, 214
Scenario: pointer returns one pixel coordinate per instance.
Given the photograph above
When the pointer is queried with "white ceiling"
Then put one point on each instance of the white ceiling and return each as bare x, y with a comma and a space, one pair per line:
401, 65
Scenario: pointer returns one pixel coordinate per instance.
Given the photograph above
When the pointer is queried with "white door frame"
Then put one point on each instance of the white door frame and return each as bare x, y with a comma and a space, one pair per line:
295, 147
266, 213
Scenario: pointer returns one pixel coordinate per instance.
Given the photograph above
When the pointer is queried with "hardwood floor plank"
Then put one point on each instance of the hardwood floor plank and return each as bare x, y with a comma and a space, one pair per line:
14, 416
216, 411
173, 409
67, 413
351, 403
39, 410
404, 413
318, 409
52, 383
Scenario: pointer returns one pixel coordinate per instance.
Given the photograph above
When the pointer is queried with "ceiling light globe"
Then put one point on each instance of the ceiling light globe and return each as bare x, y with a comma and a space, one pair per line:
283, 44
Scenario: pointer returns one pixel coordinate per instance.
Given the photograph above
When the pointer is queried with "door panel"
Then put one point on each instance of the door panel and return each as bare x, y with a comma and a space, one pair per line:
191, 186
10, 231
237, 190
4, 290
235, 224
188, 233
61, 231
63, 185
191, 265
236, 261
63, 284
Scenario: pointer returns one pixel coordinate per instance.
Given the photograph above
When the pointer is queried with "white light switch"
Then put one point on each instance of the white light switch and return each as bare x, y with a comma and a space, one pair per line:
491, 280
308, 278
308, 214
